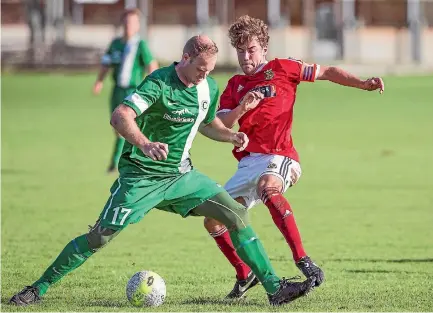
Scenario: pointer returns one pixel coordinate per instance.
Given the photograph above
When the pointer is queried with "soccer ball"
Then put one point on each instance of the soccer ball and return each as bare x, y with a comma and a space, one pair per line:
146, 288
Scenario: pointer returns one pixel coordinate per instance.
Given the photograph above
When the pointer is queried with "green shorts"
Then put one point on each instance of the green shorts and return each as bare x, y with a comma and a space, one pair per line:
118, 95
132, 197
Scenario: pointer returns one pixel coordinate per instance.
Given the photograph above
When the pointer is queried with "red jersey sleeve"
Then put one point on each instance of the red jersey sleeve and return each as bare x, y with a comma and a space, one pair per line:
227, 99
299, 71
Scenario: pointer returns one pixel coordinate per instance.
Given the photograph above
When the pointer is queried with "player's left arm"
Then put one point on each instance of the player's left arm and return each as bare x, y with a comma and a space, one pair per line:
217, 131
147, 58
342, 77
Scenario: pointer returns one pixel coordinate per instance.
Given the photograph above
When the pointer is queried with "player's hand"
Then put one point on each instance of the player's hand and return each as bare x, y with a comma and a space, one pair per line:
97, 87
374, 83
251, 100
240, 140
155, 150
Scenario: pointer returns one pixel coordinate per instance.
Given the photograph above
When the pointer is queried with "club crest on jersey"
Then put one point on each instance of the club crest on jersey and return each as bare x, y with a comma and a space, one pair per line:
204, 104
269, 74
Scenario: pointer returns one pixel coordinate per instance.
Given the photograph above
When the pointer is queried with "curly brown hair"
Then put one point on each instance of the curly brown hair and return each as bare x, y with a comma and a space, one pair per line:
247, 28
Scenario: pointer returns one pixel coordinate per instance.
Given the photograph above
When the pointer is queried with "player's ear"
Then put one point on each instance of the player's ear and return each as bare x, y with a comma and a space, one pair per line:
265, 50
185, 57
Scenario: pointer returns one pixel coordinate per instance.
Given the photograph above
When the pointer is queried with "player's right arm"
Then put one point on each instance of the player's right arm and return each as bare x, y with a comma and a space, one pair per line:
229, 111
299, 71
339, 76
123, 118
103, 70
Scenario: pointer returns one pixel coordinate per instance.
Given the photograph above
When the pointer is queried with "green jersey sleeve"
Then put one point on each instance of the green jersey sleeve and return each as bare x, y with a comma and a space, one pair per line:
146, 94
214, 95
106, 58
145, 54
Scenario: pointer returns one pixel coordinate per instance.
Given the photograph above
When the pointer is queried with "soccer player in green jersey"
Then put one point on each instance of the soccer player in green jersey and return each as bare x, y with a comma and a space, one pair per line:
127, 56
159, 121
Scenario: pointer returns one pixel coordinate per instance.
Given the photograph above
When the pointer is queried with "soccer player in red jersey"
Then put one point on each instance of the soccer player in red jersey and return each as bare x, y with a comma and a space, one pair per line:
262, 102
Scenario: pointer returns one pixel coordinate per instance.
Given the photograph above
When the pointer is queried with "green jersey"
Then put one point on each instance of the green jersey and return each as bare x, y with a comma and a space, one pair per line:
171, 113
128, 60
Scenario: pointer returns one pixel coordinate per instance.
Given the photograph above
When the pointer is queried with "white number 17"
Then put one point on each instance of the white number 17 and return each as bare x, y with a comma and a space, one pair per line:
116, 213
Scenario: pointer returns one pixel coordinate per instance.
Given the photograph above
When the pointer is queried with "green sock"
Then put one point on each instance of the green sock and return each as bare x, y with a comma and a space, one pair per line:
73, 255
251, 251
118, 148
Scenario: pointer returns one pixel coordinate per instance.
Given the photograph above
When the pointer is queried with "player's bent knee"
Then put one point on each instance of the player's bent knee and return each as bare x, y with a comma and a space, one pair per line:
268, 192
224, 209
237, 218
241, 200
212, 225
268, 183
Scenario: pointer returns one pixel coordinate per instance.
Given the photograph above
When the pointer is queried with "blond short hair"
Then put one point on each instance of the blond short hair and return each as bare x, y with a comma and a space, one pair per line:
195, 47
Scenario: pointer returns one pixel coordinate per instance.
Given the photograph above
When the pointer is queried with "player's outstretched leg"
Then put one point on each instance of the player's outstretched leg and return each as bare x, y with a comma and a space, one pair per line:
235, 217
76, 252
284, 219
245, 278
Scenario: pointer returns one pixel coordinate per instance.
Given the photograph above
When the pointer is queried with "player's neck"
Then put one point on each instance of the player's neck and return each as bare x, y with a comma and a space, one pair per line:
261, 66
127, 38
182, 78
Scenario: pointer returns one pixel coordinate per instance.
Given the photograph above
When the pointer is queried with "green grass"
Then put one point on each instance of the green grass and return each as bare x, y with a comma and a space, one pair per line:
364, 203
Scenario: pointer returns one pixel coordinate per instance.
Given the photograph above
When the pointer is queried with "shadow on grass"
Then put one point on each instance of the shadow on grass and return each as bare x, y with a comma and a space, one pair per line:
384, 260
111, 303
370, 271
217, 301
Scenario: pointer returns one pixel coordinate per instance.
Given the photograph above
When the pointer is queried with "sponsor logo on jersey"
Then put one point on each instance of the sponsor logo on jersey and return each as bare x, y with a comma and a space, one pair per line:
178, 119
269, 74
182, 112
240, 87
204, 104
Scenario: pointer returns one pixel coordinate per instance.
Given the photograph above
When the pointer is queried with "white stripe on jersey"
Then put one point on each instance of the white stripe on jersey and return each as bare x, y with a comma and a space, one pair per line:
203, 97
129, 55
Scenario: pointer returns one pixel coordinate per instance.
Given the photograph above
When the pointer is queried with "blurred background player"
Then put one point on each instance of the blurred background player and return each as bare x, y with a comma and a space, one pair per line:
128, 56
262, 102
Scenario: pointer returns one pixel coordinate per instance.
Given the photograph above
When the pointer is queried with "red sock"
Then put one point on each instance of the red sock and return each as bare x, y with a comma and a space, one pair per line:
224, 242
282, 215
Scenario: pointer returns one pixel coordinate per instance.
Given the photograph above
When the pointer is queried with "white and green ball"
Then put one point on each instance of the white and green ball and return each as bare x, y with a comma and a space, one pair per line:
146, 288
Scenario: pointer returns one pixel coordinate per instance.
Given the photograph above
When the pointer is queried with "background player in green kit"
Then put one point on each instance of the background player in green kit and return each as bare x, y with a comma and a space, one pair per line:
127, 56
159, 120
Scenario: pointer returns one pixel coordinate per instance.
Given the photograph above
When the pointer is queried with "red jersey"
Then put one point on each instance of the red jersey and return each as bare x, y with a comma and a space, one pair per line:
269, 125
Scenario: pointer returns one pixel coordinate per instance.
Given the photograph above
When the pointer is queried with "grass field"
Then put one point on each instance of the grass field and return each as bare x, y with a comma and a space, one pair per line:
364, 203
